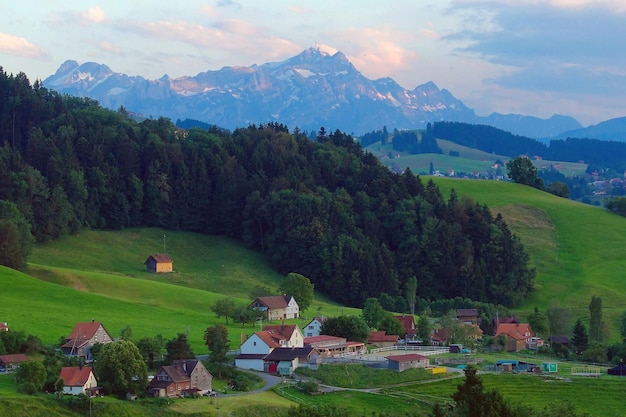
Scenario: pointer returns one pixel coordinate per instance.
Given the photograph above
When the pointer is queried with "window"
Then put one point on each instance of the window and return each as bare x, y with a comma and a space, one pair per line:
253, 343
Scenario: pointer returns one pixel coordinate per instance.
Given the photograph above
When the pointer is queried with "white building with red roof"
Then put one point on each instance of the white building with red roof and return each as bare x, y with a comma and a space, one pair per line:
78, 380
277, 307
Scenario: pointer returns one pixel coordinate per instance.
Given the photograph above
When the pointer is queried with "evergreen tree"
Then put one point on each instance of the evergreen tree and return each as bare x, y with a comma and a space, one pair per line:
580, 339
595, 319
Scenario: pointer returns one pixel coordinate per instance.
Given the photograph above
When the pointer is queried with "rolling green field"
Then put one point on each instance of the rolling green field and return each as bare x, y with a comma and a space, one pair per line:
100, 275
576, 248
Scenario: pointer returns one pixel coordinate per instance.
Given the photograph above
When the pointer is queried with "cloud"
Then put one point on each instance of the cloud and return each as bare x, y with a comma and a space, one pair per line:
94, 14
18, 46
558, 46
108, 46
230, 37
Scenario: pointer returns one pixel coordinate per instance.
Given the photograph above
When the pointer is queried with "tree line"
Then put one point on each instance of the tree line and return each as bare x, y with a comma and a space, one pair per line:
322, 208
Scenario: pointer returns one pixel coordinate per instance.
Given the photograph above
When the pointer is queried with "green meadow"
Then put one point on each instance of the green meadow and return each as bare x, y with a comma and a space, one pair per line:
100, 275
576, 248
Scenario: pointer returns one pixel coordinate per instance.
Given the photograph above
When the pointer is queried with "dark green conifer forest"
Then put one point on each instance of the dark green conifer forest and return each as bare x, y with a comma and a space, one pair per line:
322, 208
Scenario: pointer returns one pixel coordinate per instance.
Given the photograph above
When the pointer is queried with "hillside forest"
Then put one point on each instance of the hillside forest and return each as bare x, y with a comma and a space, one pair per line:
323, 208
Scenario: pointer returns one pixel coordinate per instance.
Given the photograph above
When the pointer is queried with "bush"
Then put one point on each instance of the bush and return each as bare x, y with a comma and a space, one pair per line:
310, 387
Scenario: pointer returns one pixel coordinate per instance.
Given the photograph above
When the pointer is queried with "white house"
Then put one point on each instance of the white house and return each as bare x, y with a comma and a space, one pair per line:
255, 348
77, 380
277, 307
314, 328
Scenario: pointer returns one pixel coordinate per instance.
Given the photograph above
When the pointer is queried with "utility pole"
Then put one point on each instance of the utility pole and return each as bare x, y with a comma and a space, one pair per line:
164, 249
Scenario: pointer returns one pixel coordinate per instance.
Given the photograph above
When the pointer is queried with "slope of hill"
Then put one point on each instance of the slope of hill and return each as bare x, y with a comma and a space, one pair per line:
613, 129
100, 275
576, 248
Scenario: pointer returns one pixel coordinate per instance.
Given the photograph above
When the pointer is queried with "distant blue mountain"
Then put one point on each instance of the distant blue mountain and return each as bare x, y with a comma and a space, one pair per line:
613, 129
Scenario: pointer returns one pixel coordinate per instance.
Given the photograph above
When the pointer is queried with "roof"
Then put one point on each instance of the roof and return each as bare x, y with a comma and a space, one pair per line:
274, 301
85, 330
515, 330
14, 358
380, 336
467, 312
175, 373
186, 365
251, 356
160, 258
441, 335
407, 322
284, 330
289, 354
409, 357
75, 376
269, 339
324, 340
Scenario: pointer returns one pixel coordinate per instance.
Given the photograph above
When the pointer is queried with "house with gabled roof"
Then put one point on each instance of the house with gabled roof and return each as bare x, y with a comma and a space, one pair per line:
159, 263
314, 327
380, 339
287, 335
254, 349
83, 336
277, 307
408, 323
518, 335
79, 380
182, 377
9, 363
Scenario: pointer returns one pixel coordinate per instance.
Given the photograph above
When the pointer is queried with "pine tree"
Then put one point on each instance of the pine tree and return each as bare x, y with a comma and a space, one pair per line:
580, 339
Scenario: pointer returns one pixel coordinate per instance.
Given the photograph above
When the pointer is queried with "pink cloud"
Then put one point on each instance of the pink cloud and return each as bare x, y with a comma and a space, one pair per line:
94, 15
18, 46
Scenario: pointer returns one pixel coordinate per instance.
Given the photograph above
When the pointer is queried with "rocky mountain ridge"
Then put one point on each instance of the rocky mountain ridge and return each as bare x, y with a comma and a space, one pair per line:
309, 90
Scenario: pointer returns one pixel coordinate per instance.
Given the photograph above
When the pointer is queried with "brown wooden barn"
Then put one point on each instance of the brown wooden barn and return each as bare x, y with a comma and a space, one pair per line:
159, 263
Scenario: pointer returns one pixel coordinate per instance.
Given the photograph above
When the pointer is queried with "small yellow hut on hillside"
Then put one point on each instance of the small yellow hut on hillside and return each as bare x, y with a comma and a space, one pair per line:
159, 263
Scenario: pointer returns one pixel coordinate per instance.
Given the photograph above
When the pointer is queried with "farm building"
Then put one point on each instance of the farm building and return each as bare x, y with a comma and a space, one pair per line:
4, 327
182, 378
9, 363
512, 365
401, 363
159, 263
380, 339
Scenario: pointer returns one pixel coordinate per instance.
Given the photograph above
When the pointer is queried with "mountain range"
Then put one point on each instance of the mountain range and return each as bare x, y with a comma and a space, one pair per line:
312, 89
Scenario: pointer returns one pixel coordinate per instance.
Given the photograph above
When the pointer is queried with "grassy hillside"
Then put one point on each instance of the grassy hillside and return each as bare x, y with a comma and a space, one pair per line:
100, 275
469, 160
576, 248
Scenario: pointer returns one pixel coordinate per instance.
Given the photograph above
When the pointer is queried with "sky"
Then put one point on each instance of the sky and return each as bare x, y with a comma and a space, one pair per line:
531, 57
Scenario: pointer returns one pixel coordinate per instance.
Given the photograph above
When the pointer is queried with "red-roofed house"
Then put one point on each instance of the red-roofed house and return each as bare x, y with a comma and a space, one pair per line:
78, 380
257, 346
287, 335
408, 323
518, 335
83, 337
379, 339
184, 376
439, 337
9, 363
159, 263
277, 307
467, 315
403, 362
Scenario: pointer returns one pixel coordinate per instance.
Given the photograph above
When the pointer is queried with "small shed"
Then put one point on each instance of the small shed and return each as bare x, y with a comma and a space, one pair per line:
159, 263
512, 365
401, 363
9, 363
549, 367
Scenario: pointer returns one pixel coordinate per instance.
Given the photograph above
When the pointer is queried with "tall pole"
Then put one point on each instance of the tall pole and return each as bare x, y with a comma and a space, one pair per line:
164, 250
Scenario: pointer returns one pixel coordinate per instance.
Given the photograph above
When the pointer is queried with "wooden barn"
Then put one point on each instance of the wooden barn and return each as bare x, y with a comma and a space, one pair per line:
159, 263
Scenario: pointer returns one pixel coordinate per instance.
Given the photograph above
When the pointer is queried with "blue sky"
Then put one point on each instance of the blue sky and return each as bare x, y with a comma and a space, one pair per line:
510, 56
